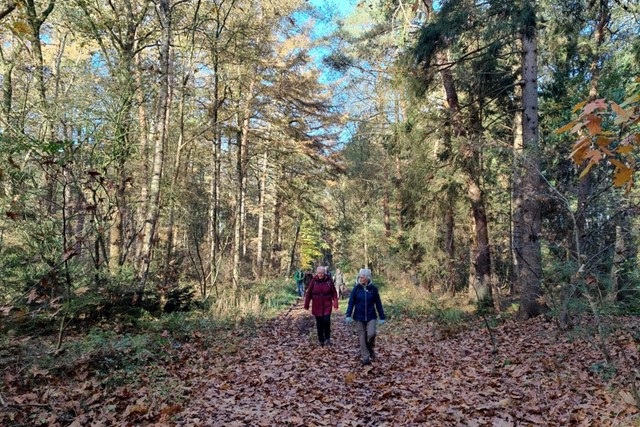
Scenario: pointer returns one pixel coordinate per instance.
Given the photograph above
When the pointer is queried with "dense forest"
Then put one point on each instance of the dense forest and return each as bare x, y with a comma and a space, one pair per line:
166, 166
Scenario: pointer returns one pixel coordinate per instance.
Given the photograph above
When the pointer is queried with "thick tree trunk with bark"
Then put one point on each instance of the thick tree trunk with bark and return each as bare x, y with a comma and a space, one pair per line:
480, 270
480, 282
529, 206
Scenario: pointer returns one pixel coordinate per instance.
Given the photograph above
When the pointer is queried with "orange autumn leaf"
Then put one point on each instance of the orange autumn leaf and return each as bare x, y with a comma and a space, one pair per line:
586, 170
603, 141
624, 149
579, 106
566, 127
594, 156
594, 124
622, 176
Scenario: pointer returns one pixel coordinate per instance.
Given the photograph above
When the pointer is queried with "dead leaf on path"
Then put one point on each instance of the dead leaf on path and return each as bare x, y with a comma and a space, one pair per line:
171, 410
37, 372
501, 422
28, 397
81, 291
135, 410
349, 378
628, 398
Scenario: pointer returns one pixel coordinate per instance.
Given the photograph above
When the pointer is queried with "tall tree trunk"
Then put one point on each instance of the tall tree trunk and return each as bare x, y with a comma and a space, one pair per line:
276, 232
616, 267
159, 141
398, 181
292, 253
35, 21
480, 272
10, 124
241, 193
386, 210
450, 249
516, 195
145, 154
529, 206
214, 187
261, 212
480, 283
585, 186
177, 171
237, 217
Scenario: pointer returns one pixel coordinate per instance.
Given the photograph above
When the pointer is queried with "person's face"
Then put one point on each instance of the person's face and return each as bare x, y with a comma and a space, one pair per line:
362, 279
320, 273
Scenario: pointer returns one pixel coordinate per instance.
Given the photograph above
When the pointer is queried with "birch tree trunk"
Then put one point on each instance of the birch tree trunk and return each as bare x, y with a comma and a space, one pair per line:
159, 140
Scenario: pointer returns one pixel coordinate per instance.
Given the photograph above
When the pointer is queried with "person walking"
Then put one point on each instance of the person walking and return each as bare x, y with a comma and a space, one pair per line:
308, 277
339, 282
298, 277
365, 309
323, 296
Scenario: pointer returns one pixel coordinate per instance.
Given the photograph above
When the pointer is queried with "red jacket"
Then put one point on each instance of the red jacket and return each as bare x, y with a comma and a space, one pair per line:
323, 294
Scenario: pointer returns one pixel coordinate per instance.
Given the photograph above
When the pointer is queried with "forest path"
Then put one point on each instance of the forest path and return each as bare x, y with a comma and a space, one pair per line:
536, 377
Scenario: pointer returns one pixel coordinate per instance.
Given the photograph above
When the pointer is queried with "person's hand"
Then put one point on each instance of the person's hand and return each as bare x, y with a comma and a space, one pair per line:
348, 320
380, 321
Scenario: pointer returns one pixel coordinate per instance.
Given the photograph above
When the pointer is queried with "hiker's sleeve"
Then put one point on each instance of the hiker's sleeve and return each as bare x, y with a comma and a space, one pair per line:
351, 300
334, 295
307, 296
379, 308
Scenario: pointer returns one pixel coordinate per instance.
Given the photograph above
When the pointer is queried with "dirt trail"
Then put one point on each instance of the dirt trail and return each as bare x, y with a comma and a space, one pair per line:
420, 378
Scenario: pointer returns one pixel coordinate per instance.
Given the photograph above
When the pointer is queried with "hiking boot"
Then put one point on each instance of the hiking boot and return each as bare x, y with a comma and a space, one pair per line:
372, 355
366, 361
328, 342
321, 343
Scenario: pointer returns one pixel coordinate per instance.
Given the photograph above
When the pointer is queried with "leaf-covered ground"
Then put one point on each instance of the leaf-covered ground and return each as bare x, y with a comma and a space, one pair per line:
423, 376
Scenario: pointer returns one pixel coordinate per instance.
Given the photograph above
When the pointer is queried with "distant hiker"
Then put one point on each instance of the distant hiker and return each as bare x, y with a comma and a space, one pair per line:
339, 282
323, 296
364, 302
298, 277
308, 276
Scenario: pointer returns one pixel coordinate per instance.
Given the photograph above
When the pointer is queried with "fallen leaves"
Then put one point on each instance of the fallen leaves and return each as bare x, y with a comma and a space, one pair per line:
281, 377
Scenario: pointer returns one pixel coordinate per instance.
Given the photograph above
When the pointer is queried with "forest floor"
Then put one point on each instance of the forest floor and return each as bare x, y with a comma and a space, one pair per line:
529, 374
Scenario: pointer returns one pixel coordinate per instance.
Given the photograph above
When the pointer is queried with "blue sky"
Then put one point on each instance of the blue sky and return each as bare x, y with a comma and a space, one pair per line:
329, 13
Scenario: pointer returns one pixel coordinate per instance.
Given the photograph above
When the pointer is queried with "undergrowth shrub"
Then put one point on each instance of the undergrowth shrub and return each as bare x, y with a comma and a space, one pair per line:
253, 300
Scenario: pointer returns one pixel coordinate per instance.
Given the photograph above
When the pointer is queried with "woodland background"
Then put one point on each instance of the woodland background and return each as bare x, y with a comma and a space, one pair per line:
167, 164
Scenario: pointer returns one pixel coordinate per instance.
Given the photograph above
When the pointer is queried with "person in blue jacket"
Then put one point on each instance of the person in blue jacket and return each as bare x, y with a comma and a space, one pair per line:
365, 309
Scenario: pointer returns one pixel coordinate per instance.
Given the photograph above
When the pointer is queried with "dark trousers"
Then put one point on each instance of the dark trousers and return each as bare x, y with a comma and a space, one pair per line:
323, 323
300, 288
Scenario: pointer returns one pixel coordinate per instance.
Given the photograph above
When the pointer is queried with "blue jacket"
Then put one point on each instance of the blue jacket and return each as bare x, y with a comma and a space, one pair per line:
364, 301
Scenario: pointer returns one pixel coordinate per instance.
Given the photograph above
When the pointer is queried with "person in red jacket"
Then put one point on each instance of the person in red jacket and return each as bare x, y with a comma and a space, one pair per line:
323, 296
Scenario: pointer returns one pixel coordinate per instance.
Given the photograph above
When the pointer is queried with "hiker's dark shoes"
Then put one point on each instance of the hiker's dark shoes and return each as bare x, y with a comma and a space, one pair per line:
372, 355
321, 343
366, 361
328, 342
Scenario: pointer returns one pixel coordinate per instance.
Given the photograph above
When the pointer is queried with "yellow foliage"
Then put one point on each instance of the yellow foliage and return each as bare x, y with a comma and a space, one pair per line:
20, 28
